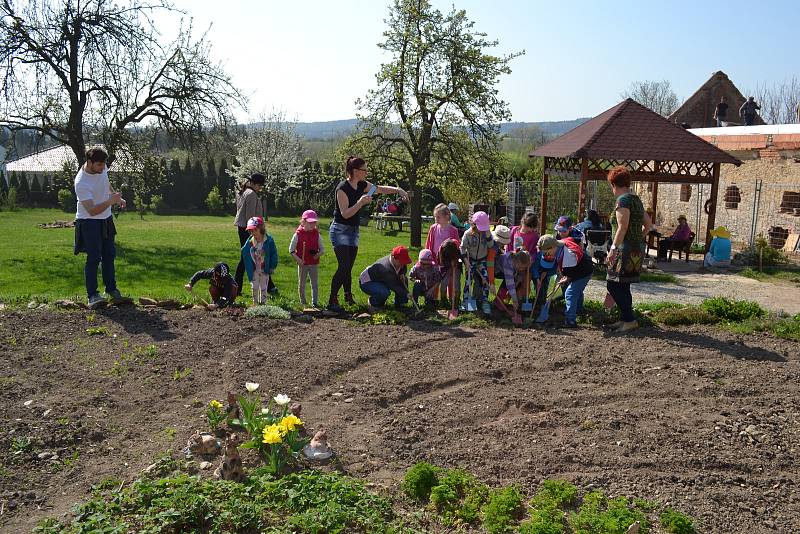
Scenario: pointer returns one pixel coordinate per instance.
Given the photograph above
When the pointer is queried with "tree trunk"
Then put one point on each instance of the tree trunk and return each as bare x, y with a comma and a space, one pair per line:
416, 210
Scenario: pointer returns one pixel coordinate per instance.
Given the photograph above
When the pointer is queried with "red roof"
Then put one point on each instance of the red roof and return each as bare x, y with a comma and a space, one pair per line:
630, 131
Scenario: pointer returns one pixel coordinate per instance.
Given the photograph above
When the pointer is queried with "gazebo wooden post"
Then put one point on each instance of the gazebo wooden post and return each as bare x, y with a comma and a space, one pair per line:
582, 189
543, 203
654, 196
712, 212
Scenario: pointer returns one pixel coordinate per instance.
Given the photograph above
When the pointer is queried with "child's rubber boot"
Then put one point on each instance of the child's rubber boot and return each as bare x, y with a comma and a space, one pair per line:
486, 308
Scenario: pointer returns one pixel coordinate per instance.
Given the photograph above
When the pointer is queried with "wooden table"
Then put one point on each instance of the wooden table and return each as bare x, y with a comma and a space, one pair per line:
384, 221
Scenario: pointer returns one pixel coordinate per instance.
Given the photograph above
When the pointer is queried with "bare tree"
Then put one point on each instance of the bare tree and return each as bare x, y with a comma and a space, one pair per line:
70, 69
655, 95
778, 101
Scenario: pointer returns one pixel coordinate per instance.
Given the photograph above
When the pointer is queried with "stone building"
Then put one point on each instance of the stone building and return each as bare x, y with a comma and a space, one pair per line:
762, 196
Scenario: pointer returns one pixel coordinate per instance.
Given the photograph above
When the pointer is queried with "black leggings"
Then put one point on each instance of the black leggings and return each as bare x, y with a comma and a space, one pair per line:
346, 257
243, 235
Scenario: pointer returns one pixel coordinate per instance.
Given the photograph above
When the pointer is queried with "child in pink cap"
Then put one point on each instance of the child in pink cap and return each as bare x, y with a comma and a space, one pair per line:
475, 247
306, 248
426, 277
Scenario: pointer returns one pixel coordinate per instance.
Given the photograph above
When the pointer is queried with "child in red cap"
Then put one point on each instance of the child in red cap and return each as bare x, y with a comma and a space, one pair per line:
385, 276
306, 248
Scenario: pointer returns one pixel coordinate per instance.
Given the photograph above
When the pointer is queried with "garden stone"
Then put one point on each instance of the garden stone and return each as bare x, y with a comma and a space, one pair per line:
205, 465
144, 301
32, 305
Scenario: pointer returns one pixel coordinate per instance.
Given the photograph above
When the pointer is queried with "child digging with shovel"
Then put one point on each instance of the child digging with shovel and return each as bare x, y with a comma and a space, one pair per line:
575, 268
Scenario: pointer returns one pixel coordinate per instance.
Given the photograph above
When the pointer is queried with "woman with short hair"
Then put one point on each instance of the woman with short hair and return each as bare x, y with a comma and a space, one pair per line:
629, 225
249, 204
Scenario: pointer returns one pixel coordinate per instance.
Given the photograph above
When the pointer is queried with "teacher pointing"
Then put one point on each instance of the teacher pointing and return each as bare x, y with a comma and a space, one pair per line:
351, 195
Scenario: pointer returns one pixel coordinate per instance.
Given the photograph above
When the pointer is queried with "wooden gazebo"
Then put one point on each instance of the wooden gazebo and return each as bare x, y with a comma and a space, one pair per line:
654, 150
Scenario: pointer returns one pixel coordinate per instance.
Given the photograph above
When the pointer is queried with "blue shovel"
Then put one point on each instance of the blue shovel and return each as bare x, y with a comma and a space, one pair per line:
544, 314
470, 304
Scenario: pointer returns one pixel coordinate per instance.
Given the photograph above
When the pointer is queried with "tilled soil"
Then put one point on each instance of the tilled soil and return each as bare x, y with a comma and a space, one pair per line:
700, 419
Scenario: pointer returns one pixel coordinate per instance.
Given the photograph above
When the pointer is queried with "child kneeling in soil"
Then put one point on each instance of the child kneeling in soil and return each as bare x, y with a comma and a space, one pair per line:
575, 268
385, 276
221, 285
260, 256
543, 266
306, 249
513, 269
426, 276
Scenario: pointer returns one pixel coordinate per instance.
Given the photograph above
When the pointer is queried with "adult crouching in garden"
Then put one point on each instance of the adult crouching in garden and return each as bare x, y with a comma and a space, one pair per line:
249, 204
351, 195
629, 225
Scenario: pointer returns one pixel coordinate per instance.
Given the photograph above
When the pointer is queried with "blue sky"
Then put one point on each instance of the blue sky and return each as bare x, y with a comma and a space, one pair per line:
313, 58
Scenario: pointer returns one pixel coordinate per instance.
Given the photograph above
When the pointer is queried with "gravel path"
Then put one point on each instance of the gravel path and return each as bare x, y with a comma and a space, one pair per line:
693, 288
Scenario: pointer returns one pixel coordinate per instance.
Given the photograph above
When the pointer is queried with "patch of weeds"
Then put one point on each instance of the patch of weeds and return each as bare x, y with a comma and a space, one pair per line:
12, 340
4, 473
107, 483
150, 351
91, 318
458, 497
388, 317
21, 444
300, 502
472, 320
557, 493
268, 311
653, 307
63, 421
169, 433
599, 514
180, 374
732, 310
503, 510
645, 506
419, 481
98, 331
676, 522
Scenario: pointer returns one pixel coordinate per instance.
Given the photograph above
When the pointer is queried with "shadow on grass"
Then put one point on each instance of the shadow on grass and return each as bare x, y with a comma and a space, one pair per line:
140, 321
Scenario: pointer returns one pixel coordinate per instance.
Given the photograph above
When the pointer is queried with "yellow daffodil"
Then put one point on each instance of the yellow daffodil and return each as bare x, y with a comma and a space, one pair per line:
290, 422
281, 399
272, 435
251, 386
215, 404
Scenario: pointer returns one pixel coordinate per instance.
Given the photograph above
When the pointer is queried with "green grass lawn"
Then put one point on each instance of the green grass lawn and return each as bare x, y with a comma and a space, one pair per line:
156, 256
788, 273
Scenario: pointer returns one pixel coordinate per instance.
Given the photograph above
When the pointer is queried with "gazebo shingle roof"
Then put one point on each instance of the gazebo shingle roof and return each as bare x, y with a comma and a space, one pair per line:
630, 131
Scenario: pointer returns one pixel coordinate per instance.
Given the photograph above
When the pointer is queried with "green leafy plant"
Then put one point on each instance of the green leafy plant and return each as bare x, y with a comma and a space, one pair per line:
732, 310
503, 510
458, 497
600, 514
676, 522
98, 331
554, 493
21, 444
215, 414
684, 316
66, 200
180, 374
420, 480
388, 317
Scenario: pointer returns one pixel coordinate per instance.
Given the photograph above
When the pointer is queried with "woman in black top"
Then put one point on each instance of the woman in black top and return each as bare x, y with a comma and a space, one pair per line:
351, 195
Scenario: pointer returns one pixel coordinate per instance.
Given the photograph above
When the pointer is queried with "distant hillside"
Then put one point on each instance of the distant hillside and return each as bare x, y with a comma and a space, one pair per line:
332, 129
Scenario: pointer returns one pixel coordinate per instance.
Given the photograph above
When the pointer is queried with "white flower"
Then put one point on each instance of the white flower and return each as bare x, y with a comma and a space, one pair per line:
281, 399
251, 386
264, 411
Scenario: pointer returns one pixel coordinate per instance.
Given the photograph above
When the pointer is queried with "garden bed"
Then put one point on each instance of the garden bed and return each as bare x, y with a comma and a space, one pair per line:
697, 418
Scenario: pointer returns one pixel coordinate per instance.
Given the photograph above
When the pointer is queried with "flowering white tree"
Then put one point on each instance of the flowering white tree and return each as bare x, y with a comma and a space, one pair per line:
272, 147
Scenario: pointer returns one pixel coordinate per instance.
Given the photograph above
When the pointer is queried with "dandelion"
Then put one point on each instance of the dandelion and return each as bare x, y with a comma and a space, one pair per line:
281, 399
251, 386
290, 422
272, 435
215, 404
